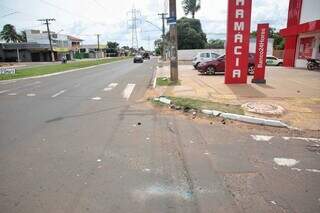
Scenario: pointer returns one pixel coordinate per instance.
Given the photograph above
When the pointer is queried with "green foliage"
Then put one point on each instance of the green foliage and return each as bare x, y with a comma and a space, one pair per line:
9, 33
163, 81
112, 47
191, 7
215, 44
158, 46
190, 34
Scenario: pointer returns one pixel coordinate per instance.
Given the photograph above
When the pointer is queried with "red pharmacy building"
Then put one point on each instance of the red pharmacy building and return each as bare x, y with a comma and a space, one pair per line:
302, 35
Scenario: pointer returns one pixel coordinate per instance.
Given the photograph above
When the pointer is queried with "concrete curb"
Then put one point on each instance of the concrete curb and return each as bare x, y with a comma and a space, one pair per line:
59, 73
236, 117
246, 119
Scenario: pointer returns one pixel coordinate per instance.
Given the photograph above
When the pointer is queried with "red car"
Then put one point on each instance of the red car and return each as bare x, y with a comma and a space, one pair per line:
218, 65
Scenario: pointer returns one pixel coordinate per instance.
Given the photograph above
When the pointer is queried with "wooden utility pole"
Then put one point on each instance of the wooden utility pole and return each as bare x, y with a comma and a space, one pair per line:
163, 17
173, 41
46, 22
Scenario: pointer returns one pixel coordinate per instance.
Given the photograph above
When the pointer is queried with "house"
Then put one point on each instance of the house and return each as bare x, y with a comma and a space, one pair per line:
302, 35
37, 47
93, 51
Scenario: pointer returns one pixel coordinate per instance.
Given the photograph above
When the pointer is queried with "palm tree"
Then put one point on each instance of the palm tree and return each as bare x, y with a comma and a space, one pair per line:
22, 36
191, 6
9, 33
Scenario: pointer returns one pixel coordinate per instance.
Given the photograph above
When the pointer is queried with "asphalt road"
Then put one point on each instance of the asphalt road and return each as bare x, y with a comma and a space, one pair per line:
86, 141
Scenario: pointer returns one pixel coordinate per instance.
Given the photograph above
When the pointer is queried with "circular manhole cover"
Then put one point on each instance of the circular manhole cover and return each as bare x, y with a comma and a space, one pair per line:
263, 108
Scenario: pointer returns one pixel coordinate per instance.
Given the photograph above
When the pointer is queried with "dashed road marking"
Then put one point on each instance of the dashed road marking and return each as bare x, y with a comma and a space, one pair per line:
261, 137
58, 93
12, 94
110, 86
96, 98
31, 94
127, 91
285, 161
313, 170
3, 91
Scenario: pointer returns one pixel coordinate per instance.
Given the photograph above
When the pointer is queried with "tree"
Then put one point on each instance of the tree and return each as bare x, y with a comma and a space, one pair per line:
158, 46
9, 33
112, 48
191, 7
215, 44
190, 34
22, 36
278, 41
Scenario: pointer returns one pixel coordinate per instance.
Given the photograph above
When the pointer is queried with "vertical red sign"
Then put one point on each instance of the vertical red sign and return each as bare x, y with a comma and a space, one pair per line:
238, 35
261, 53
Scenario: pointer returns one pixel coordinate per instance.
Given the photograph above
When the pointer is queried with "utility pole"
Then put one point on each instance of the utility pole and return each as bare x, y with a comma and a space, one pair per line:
46, 22
173, 41
98, 40
163, 17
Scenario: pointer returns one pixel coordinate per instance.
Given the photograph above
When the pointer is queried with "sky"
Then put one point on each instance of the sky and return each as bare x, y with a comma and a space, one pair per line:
110, 18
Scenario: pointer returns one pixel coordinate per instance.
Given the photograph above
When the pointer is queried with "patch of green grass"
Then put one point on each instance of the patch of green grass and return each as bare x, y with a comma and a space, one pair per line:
203, 104
48, 69
163, 81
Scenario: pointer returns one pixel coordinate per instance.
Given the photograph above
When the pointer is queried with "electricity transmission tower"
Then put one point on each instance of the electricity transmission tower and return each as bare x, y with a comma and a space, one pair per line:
133, 24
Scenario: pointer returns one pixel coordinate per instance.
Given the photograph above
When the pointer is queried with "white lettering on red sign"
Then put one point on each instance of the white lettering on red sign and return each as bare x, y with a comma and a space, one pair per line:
238, 37
261, 48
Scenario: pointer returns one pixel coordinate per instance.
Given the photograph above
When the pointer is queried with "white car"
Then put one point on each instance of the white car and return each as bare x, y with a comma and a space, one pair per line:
203, 57
274, 61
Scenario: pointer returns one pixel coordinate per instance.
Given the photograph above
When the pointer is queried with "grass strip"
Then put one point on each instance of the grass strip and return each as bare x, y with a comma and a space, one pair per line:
54, 68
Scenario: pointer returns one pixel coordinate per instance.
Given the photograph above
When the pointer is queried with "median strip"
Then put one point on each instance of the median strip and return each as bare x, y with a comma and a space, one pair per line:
55, 69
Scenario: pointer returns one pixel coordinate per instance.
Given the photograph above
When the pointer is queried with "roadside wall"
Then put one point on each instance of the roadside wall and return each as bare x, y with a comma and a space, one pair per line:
187, 55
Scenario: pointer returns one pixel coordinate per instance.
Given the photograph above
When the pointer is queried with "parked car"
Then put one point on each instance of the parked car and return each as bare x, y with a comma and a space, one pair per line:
138, 59
146, 56
218, 65
203, 57
271, 60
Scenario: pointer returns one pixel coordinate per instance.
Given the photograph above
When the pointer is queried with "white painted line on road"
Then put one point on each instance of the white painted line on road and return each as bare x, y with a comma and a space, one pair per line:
31, 94
261, 137
285, 161
96, 98
7, 82
58, 93
127, 91
110, 86
3, 91
12, 94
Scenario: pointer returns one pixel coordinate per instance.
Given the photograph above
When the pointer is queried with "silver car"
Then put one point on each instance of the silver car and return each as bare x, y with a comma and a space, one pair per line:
203, 57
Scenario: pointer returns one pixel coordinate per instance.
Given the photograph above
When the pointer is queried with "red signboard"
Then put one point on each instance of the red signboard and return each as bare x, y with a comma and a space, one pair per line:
238, 35
261, 53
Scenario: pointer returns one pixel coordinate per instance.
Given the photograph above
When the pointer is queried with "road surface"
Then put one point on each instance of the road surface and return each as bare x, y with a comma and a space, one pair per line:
86, 141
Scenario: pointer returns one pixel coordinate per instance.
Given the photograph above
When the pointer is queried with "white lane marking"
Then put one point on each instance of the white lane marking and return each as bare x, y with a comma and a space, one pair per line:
8, 82
301, 138
261, 137
12, 94
313, 170
58, 93
3, 91
285, 161
127, 91
296, 169
31, 94
110, 86
113, 85
96, 98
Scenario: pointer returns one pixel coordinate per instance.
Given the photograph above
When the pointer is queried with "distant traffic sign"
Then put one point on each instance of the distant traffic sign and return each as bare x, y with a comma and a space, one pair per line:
171, 20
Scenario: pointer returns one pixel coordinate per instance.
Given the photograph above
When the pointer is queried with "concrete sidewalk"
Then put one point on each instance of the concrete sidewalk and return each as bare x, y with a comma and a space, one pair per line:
296, 90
